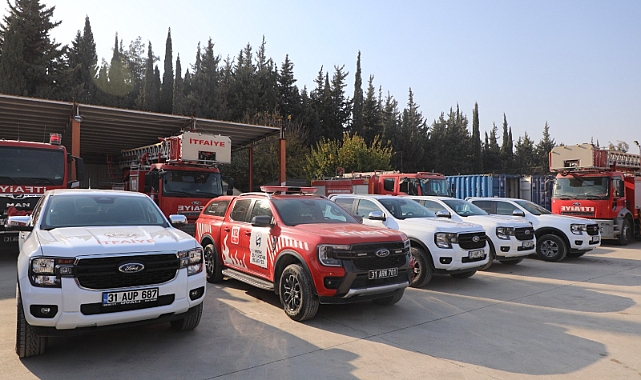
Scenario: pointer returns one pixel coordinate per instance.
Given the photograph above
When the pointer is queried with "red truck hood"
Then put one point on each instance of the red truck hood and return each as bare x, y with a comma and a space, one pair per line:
348, 233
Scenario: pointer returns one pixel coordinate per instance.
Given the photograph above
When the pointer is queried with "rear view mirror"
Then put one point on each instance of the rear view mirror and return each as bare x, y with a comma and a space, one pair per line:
518, 213
443, 214
376, 215
178, 220
262, 221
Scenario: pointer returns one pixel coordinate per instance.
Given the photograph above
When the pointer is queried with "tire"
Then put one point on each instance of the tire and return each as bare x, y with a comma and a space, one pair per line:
626, 233
463, 274
27, 342
511, 261
576, 254
551, 248
189, 322
297, 293
423, 269
391, 300
212, 264
492, 256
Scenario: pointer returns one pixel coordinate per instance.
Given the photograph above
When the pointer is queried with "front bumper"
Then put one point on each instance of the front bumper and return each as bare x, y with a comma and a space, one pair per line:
455, 260
513, 248
79, 308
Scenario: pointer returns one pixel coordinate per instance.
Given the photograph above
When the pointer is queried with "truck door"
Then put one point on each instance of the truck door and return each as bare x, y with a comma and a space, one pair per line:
261, 259
235, 236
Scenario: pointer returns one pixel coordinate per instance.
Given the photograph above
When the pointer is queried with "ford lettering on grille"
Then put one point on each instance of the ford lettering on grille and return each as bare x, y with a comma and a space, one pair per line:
476, 239
131, 267
383, 252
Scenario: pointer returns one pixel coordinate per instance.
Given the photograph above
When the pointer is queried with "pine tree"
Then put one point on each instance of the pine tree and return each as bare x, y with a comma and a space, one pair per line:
412, 138
289, 98
134, 60
31, 63
357, 109
492, 152
167, 90
543, 149
120, 83
524, 156
507, 156
371, 114
148, 100
476, 159
178, 107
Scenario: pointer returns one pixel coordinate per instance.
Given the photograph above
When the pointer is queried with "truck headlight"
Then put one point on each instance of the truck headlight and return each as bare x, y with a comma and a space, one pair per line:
325, 254
445, 239
192, 259
578, 229
504, 232
46, 271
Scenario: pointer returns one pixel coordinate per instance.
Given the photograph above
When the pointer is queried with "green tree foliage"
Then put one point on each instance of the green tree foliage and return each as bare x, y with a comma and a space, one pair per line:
83, 61
149, 95
357, 109
372, 125
289, 97
31, 64
450, 142
492, 152
507, 149
525, 155
476, 164
166, 101
352, 154
179, 97
542, 151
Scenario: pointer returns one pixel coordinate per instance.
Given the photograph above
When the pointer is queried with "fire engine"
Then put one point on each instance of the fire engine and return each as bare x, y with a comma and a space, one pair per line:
385, 182
179, 173
28, 170
599, 184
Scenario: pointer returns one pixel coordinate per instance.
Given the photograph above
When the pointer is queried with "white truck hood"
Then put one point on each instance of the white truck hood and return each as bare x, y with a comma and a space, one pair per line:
497, 221
438, 225
89, 241
555, 219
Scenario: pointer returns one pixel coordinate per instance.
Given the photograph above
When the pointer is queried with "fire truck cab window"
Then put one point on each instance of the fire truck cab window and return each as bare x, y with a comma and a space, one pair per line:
388, 184
190, 183
31, 166
618, 185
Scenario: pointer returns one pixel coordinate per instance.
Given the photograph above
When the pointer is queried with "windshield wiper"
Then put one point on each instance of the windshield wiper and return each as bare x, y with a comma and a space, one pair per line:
43, 180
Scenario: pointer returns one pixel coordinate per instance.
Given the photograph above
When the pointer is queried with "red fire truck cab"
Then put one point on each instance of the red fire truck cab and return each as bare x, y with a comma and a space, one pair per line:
386, 182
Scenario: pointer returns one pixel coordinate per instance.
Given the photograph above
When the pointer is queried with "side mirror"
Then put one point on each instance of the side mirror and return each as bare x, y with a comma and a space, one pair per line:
262, 221
376, 215
518, 213
18, 223
178, 220
443, 214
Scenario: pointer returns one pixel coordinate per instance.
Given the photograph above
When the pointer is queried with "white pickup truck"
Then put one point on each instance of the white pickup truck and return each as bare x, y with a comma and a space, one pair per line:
93, 260
510, 238
557, 236
438, 245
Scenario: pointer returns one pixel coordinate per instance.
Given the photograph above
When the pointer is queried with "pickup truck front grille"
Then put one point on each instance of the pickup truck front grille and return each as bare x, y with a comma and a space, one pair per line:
467, 241
364, 256
380, 263
592, 229
524, 233
103, 273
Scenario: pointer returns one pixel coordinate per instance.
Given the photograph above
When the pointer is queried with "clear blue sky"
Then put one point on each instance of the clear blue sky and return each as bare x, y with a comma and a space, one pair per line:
575, 64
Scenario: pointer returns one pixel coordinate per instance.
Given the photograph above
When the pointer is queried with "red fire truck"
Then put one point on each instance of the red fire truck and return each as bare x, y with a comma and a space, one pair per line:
599, 184
29, 169
180, 172
385, 182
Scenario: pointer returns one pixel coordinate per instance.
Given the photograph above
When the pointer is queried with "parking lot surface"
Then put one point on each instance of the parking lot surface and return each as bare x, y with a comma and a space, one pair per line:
577, 319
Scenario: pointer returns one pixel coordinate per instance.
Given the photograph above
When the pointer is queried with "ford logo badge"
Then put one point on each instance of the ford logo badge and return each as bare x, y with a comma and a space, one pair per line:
576, 204
195, 202
476, 239
131, 268
383, 252
527, 232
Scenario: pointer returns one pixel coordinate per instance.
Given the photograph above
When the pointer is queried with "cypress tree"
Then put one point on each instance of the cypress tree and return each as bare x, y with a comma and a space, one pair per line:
288, 92
167, 89
178, 106
357, 109
477, 160
371, 114
83, 60
148, 100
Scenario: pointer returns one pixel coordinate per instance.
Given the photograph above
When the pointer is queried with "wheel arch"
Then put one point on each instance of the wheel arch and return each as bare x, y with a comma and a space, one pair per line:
285, 258
414, 242
552, 231
206, 240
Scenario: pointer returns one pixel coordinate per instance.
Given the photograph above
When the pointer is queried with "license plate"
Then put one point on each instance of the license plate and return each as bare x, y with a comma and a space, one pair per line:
10, 239
475, 254
382, 273
527, 244
595, 239
129, 296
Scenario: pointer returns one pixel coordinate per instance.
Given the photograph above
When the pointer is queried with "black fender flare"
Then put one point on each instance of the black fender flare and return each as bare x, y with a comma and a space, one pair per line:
285, 258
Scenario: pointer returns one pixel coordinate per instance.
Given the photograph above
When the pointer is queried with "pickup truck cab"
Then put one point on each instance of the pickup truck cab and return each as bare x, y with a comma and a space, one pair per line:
438, 245
94, 260
557, 236
303, 247
510, 238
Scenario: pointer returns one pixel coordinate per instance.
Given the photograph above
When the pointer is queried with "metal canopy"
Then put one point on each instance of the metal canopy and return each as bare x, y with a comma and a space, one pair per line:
106, 131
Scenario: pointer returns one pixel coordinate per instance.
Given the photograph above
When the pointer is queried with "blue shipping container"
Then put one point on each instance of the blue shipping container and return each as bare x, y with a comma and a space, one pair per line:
486, 185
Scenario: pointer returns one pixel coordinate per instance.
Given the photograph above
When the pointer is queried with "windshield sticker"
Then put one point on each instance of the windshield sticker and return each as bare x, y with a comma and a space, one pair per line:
23, 189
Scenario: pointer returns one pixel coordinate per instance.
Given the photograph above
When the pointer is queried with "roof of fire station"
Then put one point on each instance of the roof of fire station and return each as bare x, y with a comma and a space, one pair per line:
106, 131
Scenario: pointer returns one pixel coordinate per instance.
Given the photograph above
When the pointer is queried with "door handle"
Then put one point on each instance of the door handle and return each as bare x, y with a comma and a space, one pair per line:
248, 233
226, 229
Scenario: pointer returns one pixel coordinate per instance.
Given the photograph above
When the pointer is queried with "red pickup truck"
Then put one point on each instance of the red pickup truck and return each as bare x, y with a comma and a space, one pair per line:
305, 248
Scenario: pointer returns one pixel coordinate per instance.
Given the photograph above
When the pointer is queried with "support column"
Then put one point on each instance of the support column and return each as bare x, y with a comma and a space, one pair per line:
75, 144
251, 168
282, 160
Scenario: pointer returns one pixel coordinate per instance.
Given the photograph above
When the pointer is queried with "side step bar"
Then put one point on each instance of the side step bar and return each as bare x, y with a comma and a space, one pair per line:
249, 279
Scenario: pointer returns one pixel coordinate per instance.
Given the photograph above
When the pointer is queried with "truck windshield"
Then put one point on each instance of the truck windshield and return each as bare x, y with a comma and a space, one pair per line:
533, 208
191, 183
433, 186
403, 208
30, 166
294, 211
581, 187
464, 208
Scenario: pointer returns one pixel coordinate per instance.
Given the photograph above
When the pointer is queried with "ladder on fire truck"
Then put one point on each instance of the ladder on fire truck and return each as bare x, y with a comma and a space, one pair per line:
151, 153
624, 160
